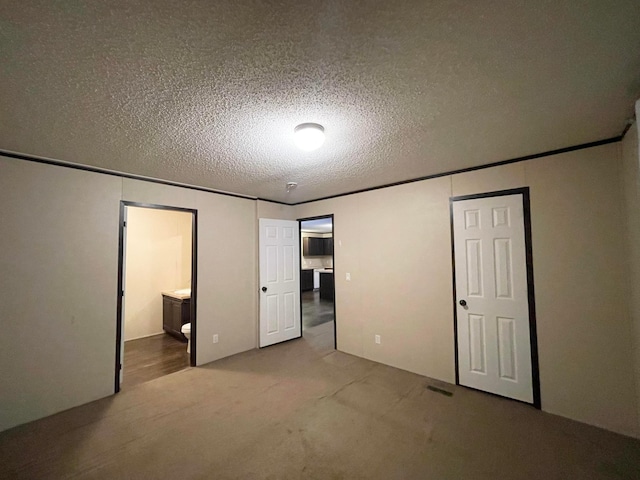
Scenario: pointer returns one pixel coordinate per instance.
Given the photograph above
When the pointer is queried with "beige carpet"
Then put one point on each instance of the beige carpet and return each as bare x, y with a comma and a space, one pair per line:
302, 410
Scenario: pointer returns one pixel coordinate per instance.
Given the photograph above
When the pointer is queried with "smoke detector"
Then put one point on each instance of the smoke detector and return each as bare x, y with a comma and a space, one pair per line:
291, 186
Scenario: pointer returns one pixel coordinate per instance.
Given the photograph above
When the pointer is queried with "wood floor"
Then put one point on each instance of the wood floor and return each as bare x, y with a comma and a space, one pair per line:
152, 357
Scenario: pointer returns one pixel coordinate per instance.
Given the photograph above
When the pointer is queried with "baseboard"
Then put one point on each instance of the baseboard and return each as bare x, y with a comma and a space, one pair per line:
145, 336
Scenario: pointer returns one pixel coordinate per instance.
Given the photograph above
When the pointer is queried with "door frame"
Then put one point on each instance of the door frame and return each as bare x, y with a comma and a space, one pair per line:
333, 262
533, 337
120, 292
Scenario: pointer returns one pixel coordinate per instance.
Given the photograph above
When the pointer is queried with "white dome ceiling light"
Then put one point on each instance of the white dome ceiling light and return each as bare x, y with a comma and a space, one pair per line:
309, 136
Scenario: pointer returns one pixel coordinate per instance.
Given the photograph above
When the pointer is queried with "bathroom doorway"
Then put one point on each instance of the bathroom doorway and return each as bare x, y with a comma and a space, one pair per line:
157, 291
317, 286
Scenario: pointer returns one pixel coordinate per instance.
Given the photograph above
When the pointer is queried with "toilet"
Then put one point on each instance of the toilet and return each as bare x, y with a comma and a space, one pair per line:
186, 331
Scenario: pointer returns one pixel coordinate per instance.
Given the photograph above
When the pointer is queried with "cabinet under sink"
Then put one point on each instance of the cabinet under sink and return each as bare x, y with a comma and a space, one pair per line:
175, 313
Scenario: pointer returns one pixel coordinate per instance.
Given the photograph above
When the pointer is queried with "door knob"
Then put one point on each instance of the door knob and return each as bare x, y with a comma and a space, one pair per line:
463, 303
264, 289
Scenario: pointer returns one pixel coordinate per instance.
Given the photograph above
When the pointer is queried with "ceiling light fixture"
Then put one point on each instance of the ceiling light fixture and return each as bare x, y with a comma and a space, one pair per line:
309, 136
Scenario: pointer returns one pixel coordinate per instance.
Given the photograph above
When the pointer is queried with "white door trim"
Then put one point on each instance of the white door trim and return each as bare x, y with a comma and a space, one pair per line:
524, 192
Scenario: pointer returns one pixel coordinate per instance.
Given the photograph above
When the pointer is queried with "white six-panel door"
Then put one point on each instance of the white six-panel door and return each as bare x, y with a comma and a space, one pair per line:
279, 281
494, 349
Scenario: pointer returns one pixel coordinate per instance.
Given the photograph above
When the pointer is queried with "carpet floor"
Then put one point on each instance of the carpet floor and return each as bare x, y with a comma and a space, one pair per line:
303, 410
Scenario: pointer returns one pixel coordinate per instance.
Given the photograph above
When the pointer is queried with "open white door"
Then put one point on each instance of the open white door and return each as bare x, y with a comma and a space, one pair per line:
279, 281
493, 331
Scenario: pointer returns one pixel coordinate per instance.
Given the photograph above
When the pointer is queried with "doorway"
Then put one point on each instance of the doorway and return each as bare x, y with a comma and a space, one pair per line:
494, 307
157, 292
317, 282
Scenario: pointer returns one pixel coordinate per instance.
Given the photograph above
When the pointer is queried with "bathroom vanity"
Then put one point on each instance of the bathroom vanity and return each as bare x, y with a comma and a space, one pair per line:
176, 311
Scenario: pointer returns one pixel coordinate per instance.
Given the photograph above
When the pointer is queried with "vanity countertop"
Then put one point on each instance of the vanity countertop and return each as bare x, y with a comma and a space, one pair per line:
179, 296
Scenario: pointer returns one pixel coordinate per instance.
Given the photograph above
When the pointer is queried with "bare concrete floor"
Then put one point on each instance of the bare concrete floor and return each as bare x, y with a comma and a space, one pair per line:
303, 410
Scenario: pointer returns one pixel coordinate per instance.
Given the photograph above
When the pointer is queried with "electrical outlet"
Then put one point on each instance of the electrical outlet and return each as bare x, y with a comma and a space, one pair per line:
215, 338
348, 277
378, 339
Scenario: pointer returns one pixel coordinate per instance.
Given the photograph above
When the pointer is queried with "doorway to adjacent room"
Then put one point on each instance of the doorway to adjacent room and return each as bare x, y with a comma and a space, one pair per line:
156, 305
317, 286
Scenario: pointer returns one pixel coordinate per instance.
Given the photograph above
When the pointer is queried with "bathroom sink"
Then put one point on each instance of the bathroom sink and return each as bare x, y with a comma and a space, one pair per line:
184, 291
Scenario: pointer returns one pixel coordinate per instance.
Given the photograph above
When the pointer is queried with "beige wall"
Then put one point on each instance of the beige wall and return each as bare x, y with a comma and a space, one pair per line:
58, 285
227, 291
226, 233
276, 211
158, 258
58, 257
405, 295
59, 261
579, 253
631, 182
390, 241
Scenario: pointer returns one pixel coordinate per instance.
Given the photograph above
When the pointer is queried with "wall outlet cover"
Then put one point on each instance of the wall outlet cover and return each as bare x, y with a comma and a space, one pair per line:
215, 338
377, 339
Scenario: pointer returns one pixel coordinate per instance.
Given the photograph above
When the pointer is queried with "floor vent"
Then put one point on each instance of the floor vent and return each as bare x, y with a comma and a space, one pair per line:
440, 390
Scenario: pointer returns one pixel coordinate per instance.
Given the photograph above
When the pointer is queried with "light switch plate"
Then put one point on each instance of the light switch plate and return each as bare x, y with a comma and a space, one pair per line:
348, 277
215, 338
377, 338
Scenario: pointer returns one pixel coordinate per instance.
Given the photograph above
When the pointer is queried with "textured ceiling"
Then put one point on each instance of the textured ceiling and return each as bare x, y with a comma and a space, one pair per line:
208, 92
